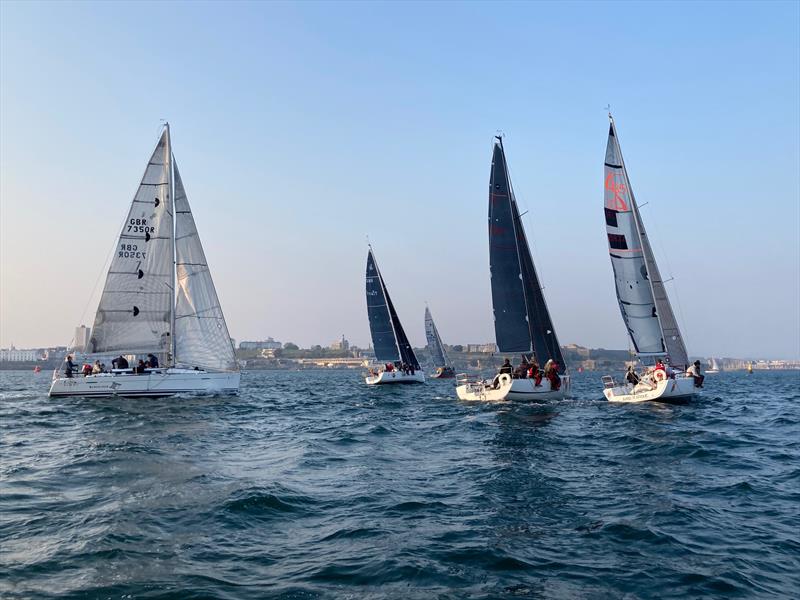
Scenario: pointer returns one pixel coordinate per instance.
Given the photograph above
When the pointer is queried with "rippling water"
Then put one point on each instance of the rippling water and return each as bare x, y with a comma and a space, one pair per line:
311, 485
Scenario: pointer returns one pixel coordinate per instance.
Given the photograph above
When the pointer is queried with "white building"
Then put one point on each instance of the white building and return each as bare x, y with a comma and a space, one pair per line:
268, 344
14, 355
82, 334
341, 344
486, 348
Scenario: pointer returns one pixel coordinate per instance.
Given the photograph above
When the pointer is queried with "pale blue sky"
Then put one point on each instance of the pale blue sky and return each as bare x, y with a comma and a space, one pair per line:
301, 128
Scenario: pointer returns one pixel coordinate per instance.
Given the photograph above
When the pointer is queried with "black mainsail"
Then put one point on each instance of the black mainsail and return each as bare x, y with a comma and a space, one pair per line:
522, 322
643, 299
388, 337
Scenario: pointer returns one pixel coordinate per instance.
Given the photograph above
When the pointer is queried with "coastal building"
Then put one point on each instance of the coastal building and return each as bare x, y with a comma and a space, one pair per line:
485, 348
82, 334
14, 355
268, 344
341, 344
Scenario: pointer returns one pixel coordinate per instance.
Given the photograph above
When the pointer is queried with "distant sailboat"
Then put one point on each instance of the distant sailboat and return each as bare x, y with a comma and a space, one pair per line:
643, 299
444, 368
522, 322
388, 337
159, 299
714, 367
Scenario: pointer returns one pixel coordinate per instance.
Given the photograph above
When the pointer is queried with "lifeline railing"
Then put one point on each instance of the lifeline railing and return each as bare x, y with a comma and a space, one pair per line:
468, 379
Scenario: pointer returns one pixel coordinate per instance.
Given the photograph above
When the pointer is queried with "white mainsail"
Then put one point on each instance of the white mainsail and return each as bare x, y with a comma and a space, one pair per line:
642, 297
135, 310
435, 345
201, 335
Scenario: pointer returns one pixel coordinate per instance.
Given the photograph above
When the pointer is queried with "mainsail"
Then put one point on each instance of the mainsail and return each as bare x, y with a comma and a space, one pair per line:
135, 310
521, 320
201, 335
388, 338
435, 346
139, 311
642, 296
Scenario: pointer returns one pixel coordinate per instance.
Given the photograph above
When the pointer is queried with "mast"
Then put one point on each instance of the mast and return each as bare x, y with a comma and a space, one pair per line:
171, 205
672, 340
514, 274
515, 217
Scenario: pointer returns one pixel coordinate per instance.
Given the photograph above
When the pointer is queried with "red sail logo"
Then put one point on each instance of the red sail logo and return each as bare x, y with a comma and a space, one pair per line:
620, 192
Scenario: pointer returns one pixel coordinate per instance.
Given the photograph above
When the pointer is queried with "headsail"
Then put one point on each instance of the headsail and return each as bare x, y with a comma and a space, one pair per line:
642, 297
135, 310
435, 346
521, 320
201, 334
388, 337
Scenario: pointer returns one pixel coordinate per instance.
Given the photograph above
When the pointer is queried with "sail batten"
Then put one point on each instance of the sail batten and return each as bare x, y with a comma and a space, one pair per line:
522, 320
640, 288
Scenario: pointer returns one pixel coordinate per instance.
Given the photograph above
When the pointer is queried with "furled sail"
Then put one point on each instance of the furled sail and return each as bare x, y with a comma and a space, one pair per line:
388, 337
642, 296
201, 334
522, 322
135, 309
435, 346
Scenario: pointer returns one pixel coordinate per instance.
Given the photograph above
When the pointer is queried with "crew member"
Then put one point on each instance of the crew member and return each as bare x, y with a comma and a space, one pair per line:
696, 373
69, 367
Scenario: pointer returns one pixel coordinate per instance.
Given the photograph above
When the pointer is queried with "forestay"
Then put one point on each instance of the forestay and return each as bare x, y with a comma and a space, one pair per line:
521, 319
435, 346
201, 334
643, 299
135, 309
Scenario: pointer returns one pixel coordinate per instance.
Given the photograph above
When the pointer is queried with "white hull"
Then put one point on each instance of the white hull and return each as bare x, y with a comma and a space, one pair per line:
386, 377
156, 383
667, 390
520, 390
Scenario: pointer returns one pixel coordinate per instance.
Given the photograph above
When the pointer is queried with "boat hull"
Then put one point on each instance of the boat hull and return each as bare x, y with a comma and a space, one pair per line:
513, 390
446, 373
386, 377
666, 390
157, 383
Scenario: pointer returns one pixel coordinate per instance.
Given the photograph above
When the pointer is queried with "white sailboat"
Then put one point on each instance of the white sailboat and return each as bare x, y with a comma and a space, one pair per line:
159, 299
714, 367
444, 368
643, 299
388, 337
522, 322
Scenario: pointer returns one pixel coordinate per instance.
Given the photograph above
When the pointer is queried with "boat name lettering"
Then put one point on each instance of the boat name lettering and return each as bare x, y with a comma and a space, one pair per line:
130, 251
139, 226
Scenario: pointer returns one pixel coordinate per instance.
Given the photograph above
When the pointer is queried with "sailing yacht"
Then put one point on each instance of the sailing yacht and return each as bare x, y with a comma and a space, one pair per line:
522, 322
714, 367
642, 297
388, 337
158, 299
444, 368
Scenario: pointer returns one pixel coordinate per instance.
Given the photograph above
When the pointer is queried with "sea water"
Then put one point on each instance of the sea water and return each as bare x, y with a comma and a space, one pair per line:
313, 485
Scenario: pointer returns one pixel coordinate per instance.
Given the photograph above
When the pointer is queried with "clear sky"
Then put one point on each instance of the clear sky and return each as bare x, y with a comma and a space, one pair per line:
301, 128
